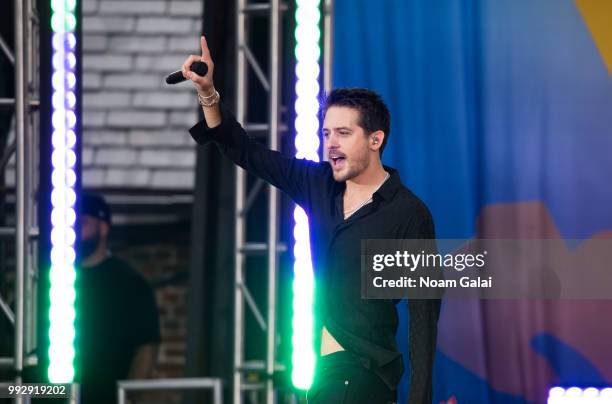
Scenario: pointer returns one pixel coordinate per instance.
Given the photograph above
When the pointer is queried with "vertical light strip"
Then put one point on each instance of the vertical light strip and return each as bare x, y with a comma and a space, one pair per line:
307, 53
63, 197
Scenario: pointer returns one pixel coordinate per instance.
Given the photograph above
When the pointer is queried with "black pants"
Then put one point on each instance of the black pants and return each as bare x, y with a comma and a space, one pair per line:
340, 378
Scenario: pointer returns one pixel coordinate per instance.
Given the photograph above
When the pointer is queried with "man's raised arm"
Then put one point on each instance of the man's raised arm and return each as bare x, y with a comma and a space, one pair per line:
295, 177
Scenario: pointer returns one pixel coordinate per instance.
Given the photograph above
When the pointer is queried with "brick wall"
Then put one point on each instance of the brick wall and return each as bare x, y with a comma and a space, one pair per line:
134, 125
135, 134
157, 262
135, 139
160, 263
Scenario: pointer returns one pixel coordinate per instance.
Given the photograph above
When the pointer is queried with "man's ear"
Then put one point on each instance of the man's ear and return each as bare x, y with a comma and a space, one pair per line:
376, 139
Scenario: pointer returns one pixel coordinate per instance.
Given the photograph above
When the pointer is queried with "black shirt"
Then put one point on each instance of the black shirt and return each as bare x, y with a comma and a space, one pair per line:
116, 313
366, 328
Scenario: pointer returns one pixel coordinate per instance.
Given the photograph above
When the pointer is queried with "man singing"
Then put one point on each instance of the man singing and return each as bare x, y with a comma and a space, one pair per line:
350, 198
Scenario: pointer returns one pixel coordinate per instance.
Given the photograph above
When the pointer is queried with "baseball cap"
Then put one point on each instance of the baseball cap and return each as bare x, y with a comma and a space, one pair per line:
94, 205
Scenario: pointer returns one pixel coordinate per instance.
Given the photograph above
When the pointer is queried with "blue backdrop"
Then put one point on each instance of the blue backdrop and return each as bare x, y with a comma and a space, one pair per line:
501, 114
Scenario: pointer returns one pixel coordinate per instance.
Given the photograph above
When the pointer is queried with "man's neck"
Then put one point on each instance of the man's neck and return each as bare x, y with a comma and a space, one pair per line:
367, 181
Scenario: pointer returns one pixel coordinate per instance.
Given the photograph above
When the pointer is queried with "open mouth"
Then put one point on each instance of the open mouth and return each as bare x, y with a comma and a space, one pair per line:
337, 161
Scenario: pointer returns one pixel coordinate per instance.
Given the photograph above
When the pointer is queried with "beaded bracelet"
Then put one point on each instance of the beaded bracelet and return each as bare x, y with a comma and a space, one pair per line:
209, 100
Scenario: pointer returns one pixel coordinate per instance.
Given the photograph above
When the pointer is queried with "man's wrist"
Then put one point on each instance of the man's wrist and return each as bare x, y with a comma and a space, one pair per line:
207, 93
209, 100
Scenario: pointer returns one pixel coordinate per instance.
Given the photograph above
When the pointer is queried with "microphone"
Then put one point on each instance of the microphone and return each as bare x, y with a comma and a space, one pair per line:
200, 68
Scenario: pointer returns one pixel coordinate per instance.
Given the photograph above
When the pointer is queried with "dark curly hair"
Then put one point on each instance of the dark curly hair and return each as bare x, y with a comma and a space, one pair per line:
373, 113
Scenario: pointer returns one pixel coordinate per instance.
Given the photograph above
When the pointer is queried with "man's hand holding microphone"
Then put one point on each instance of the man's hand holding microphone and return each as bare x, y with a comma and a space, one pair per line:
207, 95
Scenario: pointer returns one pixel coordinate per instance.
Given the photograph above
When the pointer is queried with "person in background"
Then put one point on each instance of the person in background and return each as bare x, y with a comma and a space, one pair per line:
117, 318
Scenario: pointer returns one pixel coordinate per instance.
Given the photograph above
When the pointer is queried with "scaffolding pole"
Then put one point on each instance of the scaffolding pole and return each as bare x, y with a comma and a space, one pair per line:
328, 30
274, 11
25, 230
272, 84
20, 182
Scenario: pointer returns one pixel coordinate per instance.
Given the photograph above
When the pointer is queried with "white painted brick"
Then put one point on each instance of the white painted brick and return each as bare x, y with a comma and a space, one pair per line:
87, 156
108, 99
191, 8
116, 157
158, 138
93, 119
165, 99
136, 119
189, 44
93, 177
132, 7
134, 124
92, 81
138, 44
163, 63
94, 43
89, 7
168, 158
184, 118
164, 25
107, 63
115, 24
118, 177
104, 137
133, 81
173, 179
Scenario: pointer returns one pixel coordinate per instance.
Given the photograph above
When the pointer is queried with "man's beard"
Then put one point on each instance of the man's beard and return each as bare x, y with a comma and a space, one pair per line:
85, 248
357, 166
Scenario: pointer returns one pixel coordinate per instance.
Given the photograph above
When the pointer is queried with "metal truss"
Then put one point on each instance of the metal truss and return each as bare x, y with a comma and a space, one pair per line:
243, 299
24, 148
271, 83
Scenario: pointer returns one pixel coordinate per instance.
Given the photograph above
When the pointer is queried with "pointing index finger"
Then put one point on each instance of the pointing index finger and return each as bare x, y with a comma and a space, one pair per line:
204, 45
